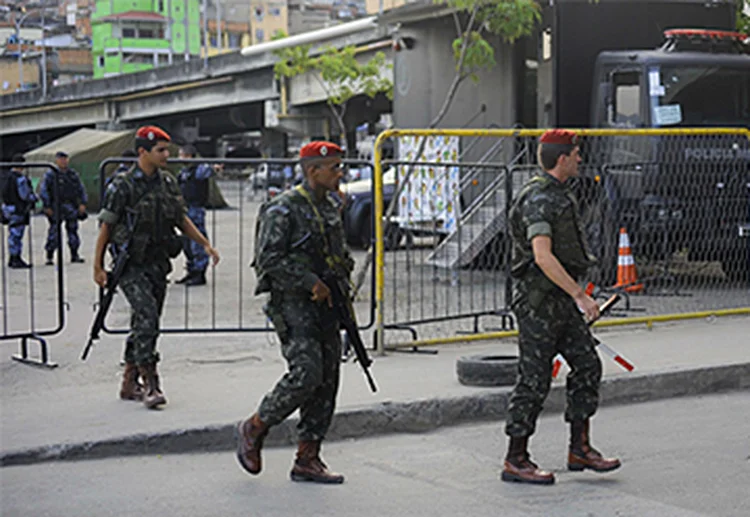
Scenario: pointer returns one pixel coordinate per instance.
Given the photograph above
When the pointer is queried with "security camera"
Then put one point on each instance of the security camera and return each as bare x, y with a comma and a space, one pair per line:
401, 43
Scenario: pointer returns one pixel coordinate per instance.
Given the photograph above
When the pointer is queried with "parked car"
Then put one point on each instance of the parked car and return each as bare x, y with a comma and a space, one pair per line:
358, 221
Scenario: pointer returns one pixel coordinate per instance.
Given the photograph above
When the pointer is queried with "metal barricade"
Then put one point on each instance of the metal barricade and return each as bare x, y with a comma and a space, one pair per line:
665, 211
30, 311
451, 264
227, 304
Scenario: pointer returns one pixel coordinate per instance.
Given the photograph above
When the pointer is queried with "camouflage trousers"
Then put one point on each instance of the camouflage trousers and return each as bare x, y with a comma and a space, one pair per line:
311, 345
555, 325
145, 288
16, 229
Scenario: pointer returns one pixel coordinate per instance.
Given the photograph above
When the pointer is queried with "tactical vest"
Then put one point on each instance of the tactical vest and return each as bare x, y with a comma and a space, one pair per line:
194, 191
568, 241
68, 184
157, 210
316, 250
10, 190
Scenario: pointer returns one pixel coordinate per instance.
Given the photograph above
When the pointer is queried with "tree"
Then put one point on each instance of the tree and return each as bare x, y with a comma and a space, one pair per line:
743, 17
473, 19
338, 71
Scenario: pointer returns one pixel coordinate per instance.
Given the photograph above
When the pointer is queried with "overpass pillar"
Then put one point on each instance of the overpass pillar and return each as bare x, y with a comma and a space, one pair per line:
274, 143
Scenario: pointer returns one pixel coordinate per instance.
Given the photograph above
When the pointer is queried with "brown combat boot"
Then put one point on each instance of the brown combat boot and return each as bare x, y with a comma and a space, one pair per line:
519, 467
153, 395
309, 467
582, 455
131, 389
250, 434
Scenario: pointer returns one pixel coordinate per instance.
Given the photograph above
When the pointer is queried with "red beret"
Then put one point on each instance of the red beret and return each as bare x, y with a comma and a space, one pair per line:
320, 149
559, 136
152, 133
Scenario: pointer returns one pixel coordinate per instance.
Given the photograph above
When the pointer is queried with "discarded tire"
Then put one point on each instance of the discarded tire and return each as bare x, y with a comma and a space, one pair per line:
487, 370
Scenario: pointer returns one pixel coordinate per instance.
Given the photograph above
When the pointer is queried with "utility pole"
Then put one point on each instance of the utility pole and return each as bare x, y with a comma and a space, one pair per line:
218, 25
20, 51
44, 60
205, 34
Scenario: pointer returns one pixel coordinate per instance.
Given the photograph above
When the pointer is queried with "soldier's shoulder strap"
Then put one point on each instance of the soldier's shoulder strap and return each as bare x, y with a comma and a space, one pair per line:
535, 182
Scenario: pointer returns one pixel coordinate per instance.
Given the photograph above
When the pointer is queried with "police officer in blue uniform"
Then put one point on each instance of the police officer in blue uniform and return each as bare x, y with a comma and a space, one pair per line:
73, 201
194, 183
18, 202
123, 167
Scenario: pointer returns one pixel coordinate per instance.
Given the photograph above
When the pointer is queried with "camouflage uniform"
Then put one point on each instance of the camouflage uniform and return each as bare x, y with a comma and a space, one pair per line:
160, 208
292, 241
548, 318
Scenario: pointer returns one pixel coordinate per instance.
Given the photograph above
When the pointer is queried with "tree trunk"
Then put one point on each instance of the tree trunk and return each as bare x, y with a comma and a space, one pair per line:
457, 80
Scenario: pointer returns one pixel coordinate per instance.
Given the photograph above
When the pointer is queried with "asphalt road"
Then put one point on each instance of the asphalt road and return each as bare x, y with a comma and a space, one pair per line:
682, 457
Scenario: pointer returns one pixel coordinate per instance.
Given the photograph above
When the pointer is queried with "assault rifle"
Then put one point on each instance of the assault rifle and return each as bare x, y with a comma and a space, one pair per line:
106, 294
345, 312
342, 305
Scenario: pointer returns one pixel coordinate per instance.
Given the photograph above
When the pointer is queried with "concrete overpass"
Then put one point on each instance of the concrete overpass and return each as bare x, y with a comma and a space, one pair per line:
233, 93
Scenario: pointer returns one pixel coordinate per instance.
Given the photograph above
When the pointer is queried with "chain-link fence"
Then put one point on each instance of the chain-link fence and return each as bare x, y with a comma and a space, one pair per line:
33, 303
666, 213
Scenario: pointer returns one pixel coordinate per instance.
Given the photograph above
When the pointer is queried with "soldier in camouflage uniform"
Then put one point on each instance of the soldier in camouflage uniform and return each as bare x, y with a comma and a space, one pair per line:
145, 202
300, 234
550, 255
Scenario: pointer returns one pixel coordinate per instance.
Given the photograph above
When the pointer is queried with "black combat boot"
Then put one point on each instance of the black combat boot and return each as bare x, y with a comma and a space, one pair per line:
197, 278
16, 262
185, 278
50, 258
75, 258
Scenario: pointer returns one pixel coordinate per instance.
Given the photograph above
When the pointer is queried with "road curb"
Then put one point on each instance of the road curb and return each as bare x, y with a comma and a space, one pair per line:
397, 417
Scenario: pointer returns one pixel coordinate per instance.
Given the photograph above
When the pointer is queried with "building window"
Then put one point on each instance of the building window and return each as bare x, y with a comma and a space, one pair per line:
128, 32
161, 6
234, 40
275, 11
134, 58
163, 59
259, 35
100, 61
259, 13
627, 99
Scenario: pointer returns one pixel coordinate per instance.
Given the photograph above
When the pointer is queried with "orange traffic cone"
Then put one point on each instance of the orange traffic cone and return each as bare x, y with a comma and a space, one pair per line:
627, 278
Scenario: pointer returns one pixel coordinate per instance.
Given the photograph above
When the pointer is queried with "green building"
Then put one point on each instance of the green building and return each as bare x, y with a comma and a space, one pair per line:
134, 35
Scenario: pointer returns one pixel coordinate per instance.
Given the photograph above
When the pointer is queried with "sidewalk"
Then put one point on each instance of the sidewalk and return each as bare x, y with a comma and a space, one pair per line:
211, 382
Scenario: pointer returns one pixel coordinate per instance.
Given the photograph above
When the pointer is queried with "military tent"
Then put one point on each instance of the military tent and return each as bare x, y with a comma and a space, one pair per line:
87, 148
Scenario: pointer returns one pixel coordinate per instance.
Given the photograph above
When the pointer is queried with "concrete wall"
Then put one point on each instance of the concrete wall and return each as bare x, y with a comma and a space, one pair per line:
10, 78
423, 75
